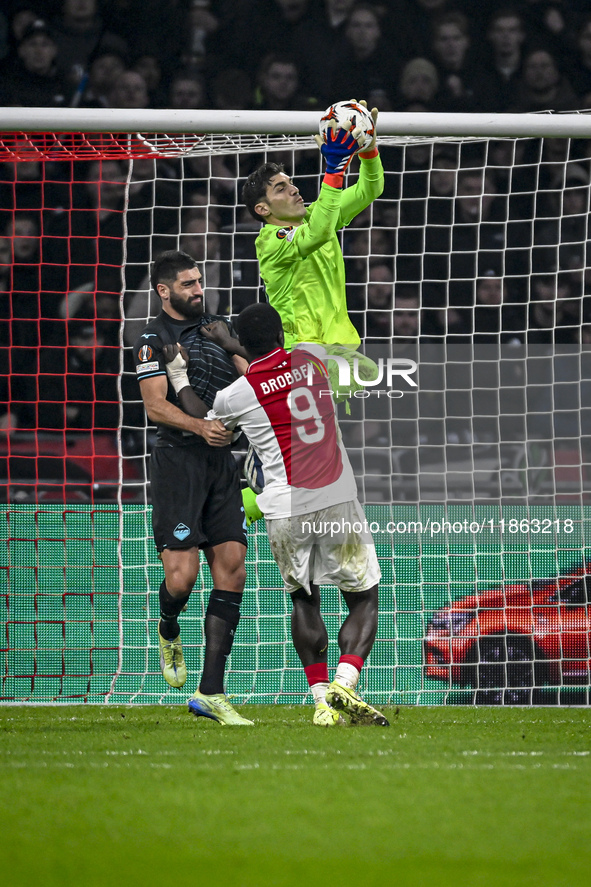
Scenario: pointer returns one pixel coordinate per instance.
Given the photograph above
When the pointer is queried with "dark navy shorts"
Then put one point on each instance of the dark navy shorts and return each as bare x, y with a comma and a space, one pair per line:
196, 498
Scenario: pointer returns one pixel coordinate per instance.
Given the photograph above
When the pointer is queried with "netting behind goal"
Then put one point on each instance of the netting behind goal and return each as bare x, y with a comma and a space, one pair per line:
472, 267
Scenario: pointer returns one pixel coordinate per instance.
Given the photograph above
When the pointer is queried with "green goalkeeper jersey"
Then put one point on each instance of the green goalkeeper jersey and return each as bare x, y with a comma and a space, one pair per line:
303, 269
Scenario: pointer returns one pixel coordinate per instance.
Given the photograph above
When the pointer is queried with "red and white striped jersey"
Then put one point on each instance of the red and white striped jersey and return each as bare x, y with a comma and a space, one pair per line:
284, 406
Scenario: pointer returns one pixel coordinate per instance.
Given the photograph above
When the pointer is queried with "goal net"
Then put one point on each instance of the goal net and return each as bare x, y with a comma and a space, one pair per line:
468, 281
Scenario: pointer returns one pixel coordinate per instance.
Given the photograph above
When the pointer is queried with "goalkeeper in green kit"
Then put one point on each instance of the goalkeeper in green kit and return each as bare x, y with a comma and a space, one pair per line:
302, 265
298, 249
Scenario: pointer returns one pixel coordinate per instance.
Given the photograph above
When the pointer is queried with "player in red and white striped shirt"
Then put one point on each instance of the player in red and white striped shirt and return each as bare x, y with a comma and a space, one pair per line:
316, 527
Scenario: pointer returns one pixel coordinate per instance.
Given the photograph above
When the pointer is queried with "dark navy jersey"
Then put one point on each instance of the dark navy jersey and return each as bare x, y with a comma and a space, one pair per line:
210, 367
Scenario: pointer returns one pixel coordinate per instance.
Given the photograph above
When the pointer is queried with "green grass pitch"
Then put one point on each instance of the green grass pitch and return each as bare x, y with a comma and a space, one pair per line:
149, 795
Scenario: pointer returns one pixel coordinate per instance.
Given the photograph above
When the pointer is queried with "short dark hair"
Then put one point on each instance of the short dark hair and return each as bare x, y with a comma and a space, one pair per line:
255, 188
166, 267
259, 328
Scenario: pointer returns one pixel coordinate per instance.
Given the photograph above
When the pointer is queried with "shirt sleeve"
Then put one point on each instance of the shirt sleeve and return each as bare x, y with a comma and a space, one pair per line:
148, 357
369, 185
279, 247
222, 410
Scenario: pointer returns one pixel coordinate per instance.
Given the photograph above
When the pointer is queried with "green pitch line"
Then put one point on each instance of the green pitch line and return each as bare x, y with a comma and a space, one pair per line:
147, 795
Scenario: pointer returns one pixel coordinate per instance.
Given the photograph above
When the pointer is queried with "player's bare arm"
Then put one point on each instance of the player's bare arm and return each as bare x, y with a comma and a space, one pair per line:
177, 361
161, 412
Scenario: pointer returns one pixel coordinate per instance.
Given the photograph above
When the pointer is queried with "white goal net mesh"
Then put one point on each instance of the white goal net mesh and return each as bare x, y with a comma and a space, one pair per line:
474, 264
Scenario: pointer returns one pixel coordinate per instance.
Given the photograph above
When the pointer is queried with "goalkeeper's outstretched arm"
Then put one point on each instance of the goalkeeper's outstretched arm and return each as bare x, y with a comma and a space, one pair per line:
323, 217
370, 183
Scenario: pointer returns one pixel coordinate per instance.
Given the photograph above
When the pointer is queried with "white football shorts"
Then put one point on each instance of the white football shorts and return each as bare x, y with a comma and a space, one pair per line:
332, 546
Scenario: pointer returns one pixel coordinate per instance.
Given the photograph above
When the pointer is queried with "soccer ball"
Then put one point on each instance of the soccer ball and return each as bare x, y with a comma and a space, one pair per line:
353, 111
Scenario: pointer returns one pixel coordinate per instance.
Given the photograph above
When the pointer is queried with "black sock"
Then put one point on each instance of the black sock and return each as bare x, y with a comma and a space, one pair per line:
221, 619
170, 607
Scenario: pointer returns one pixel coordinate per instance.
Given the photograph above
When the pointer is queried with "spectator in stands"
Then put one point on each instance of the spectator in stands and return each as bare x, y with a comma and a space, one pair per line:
479, 231
24, 309
186, 91
5, 263
29, 307
380, 294
506, 157
418, 161
370, 63
542, 86
30, 186
4, 45
201, 25
498, 317
362, 246
201, 241
79, 32
320, 36
78, 384
20, 17
552, 23
336, 13
419, 82
565, 238
407, 314
286, 27
35, 79
8, 412
85, 243
153, 215
506, 36
149, 66
449, 324
101, 308
23, 230
550, 163
232, 90
278, 86
578, 62
129, 91
442, 186
458, 73
210, 182
105, 68
550, 321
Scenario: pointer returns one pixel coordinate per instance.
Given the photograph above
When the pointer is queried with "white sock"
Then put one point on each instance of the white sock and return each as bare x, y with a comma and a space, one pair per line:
347, 674
319, 693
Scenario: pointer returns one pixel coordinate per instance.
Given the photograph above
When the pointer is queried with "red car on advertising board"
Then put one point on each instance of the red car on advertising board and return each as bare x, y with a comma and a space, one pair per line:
512, 641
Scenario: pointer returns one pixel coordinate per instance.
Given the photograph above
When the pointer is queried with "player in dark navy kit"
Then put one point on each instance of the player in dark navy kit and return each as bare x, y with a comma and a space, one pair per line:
196, 499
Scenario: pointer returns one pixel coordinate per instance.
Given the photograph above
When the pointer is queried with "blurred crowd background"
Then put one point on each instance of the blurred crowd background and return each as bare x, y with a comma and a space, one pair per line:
481, 243
437, 55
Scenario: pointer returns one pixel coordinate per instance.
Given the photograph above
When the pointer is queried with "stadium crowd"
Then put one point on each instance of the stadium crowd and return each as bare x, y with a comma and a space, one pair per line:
487, 242
446, 55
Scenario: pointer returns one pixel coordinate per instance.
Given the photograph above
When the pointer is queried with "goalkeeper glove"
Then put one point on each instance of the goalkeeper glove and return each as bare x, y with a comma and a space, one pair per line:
371, 150
340, 147
176, 366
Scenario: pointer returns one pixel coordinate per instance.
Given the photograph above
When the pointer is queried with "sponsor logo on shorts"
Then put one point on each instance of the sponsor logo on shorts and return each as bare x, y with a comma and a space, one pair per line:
145, 367
181, 531
145, 353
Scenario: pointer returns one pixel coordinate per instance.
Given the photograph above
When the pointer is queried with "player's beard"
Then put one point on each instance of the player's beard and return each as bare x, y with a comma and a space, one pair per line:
188, 309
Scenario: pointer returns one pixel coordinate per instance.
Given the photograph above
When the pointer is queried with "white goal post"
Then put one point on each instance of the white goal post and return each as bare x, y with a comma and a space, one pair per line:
404, 124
